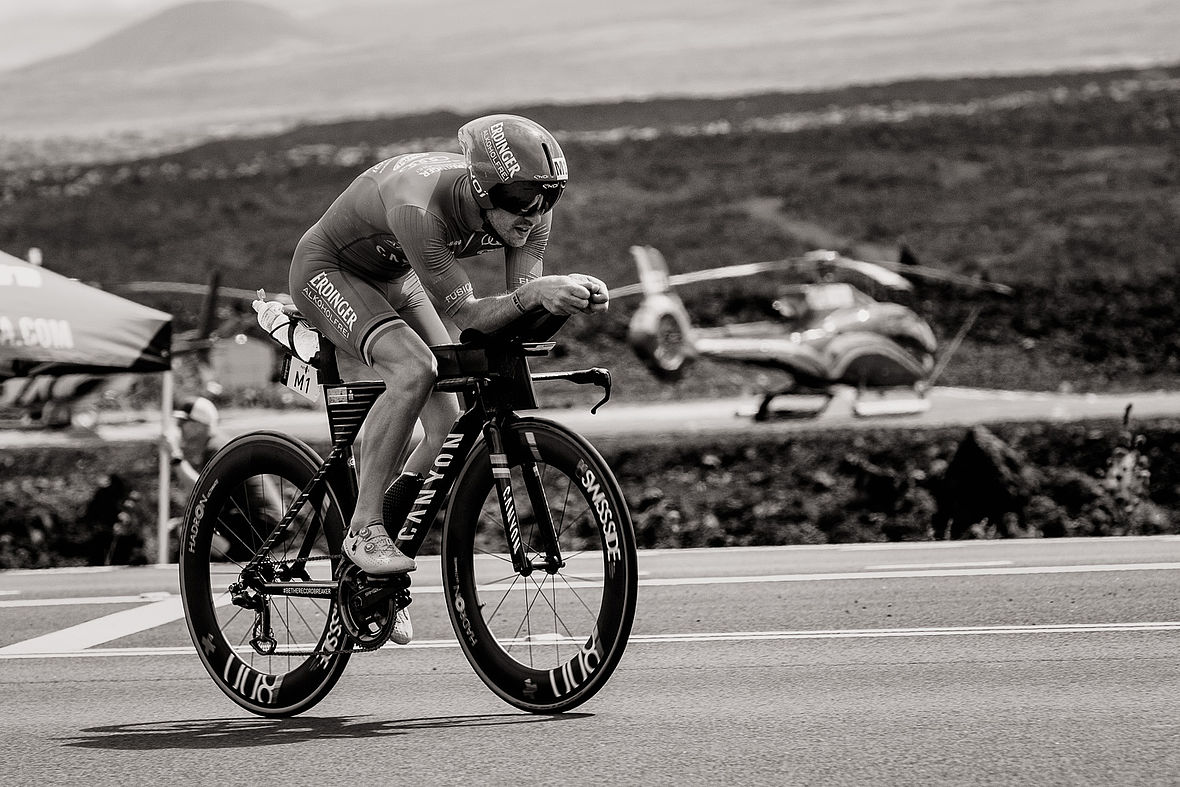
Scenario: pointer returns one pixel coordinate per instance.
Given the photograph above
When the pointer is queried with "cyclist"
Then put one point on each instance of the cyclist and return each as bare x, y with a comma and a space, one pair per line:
378, 275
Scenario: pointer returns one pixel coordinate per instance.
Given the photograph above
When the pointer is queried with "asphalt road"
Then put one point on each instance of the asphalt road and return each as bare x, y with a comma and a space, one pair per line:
1006, 662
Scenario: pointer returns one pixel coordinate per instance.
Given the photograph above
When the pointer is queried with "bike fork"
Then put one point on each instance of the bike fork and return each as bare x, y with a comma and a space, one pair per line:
502, 475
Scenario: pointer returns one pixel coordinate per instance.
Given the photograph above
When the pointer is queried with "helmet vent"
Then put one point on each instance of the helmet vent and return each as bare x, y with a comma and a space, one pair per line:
549, 158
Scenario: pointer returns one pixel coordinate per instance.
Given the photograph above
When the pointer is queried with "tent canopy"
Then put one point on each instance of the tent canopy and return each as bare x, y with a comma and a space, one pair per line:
50, 324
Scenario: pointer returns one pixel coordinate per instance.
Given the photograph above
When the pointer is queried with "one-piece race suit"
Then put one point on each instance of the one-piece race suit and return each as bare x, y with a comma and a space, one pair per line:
360, 270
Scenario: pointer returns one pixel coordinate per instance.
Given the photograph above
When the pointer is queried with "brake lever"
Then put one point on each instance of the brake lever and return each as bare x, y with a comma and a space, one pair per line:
601, 378
596, 376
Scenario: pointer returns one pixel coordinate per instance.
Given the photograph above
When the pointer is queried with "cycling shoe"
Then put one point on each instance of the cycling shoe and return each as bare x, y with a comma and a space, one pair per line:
373, 551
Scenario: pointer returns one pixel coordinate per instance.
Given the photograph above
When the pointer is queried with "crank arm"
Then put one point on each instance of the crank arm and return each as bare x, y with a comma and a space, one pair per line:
379, 590
595, 376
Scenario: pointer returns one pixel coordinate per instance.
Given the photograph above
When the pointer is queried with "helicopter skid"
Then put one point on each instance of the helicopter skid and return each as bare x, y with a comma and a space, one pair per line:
817, 404
792, 405
883, 404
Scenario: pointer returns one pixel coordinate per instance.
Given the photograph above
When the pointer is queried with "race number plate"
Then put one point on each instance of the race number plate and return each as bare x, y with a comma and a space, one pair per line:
301, 378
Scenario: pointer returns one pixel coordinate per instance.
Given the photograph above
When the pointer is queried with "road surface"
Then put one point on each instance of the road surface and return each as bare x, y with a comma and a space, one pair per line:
1003, 662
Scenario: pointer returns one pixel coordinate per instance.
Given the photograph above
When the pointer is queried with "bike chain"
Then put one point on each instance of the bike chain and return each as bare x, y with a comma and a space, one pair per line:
355, 646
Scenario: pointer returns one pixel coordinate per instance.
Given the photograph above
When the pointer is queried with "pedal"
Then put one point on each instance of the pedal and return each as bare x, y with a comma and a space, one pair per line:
395, 586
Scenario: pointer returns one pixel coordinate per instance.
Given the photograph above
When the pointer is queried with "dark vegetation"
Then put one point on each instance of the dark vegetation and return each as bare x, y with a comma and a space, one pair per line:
1063, 186
844, 486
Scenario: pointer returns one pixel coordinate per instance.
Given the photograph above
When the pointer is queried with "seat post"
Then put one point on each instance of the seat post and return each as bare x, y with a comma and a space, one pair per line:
329, 370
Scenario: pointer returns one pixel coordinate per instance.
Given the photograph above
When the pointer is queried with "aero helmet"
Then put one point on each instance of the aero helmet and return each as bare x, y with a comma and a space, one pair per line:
514, 164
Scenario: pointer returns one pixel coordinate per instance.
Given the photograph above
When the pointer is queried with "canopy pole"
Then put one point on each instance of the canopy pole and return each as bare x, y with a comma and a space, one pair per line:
165, 456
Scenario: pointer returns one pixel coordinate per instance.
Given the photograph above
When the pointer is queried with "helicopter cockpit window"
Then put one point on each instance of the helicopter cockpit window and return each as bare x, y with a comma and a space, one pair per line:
800, 300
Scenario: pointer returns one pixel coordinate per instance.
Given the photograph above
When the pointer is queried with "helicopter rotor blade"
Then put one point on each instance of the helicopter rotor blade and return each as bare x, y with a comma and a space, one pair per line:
716, 274
816, 258
938, 274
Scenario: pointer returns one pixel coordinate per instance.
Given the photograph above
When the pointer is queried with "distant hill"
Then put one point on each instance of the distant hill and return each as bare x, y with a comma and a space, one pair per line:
1064, 187
188, 34
233, 66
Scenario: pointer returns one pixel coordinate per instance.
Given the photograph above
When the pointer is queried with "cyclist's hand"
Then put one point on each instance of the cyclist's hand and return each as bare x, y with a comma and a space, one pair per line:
270, 314
170, 441
599, 295
563, 295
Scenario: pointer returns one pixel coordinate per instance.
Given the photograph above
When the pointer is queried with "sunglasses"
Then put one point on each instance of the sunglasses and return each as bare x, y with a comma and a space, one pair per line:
523, 198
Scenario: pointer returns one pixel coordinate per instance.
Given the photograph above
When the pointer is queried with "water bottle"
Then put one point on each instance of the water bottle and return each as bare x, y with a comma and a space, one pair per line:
288, 330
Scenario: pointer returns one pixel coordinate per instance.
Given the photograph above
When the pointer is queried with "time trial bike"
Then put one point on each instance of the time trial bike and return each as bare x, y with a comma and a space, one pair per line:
537, 546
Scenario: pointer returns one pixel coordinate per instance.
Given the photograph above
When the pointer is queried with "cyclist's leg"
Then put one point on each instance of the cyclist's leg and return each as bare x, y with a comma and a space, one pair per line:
441, 409
437, 414
404, 362
356, 314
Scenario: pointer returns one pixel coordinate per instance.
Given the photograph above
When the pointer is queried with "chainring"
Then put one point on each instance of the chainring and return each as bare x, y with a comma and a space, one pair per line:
369, 627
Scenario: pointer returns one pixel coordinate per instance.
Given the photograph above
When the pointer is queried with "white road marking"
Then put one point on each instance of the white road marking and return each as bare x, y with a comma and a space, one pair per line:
955, 631
100, 630
41, 572
977, 564
890, 546
133, 621
728, 636
947, 572
69, 602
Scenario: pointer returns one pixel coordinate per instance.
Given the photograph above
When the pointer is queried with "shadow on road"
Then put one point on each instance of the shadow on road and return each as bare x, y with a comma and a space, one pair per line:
248, 733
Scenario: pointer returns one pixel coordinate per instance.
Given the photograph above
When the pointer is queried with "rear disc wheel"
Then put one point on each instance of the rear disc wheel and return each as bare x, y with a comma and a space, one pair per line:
275, 655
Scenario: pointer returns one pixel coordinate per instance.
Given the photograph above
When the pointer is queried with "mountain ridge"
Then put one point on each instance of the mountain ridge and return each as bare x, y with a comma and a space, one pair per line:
183, 35
167, 75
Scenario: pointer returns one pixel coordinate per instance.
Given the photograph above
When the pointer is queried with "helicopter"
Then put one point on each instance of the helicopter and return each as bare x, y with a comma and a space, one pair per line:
831, 335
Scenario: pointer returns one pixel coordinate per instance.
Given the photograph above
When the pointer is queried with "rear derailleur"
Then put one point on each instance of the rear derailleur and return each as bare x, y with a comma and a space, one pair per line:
244, 595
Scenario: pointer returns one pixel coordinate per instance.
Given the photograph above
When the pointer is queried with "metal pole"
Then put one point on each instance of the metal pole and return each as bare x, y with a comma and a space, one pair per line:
165, 491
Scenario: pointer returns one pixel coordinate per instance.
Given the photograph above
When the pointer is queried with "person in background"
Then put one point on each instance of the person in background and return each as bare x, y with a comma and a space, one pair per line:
194, 439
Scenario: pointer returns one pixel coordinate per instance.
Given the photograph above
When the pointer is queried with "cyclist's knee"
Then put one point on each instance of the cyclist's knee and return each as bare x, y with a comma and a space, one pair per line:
409, 368
439, 413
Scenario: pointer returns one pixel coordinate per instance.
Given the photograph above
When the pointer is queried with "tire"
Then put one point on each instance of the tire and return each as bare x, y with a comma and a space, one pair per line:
222, 513
543, 643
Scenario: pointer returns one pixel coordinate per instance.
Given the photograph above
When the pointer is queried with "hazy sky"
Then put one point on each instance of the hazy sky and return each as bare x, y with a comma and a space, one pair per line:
31, 30
34, 30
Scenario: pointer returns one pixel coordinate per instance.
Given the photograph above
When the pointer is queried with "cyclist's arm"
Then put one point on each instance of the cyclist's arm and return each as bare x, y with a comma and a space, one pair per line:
526, 263
185, 472
423, 238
